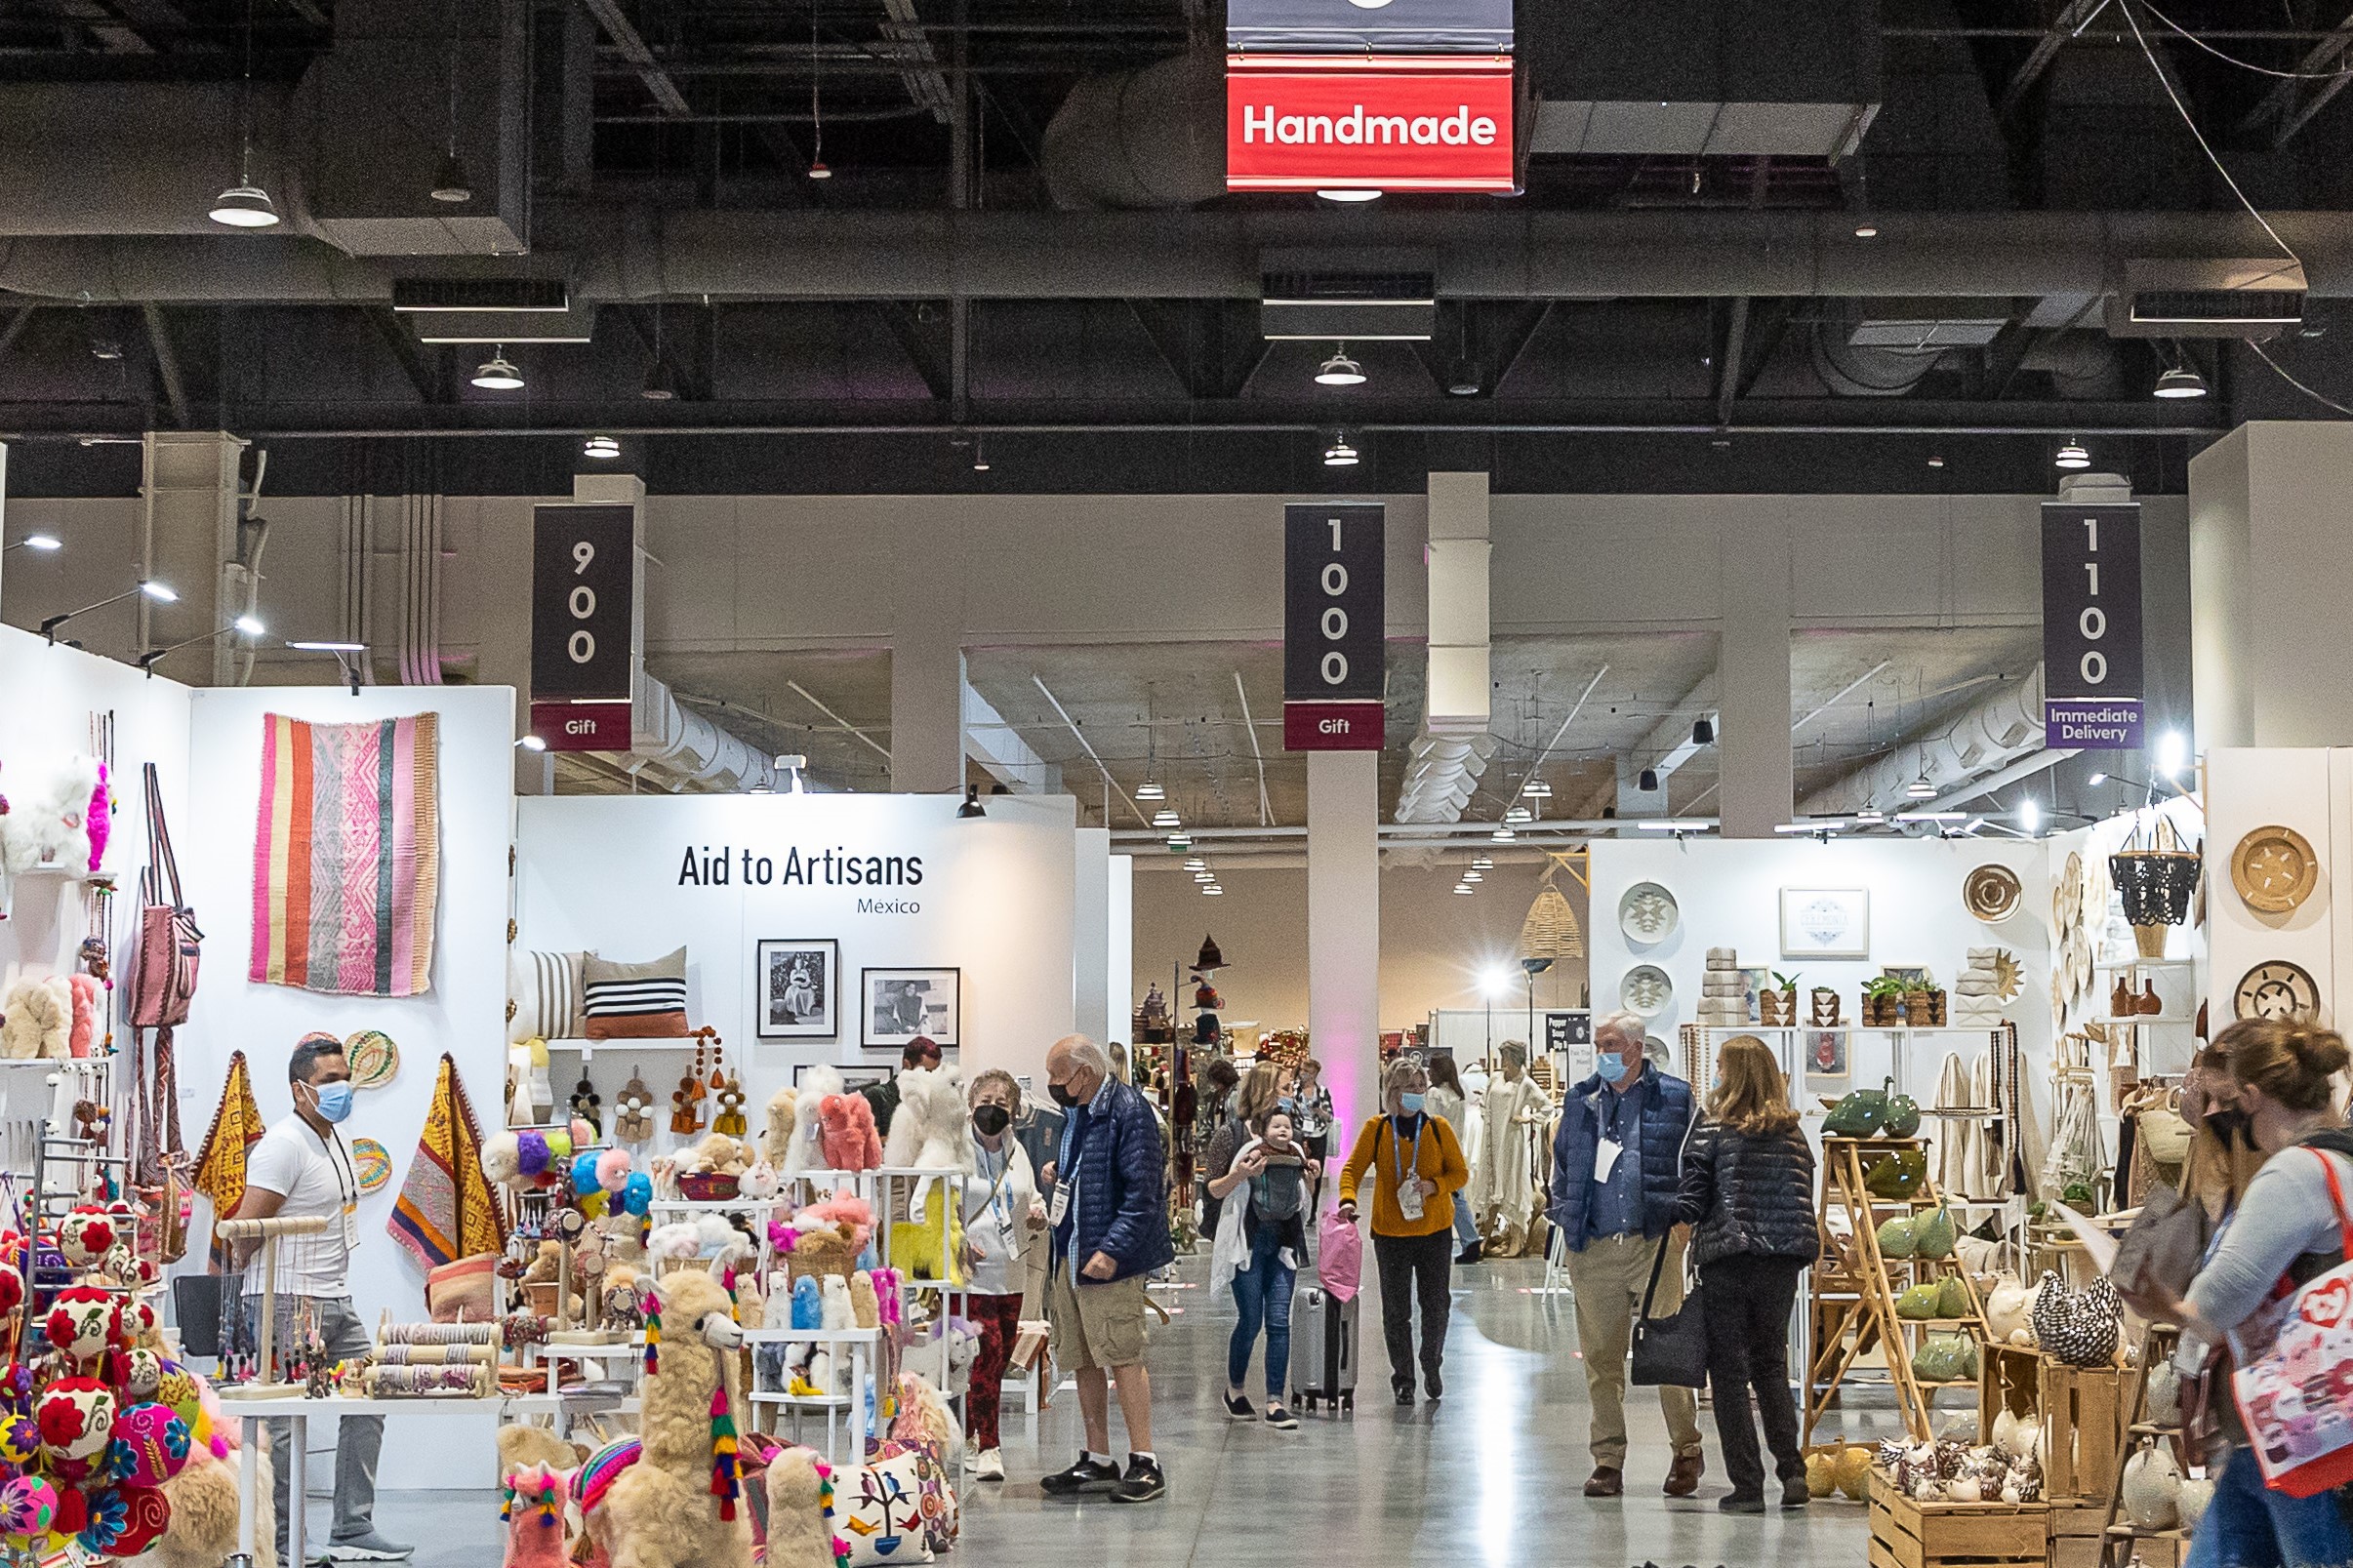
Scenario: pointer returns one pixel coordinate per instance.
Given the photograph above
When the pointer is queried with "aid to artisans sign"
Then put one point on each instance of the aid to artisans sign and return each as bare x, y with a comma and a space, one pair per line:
1309, 122
2091, 626
1334, 626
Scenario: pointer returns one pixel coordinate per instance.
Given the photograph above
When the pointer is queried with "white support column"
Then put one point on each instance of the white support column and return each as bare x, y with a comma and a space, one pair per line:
1344, 930
1752, 678
2269, 558
1098, 1015
927, 701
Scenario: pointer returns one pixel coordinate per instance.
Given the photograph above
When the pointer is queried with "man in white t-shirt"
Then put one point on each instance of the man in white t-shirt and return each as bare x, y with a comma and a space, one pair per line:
302, 1168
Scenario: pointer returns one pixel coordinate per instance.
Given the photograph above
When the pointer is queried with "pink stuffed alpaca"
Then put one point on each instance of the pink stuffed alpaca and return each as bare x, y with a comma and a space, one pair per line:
846, 1133
88, 998
536, 1499
100, 822
842, 1208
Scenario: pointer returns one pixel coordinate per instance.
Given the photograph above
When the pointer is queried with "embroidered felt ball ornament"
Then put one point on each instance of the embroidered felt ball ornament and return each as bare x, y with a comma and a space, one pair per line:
85, 1235
85, 1322
76, 1417
150, 1445
28, 1506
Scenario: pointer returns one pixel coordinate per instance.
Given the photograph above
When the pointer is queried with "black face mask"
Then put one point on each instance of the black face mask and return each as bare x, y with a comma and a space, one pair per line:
992, 1119
1062, 1095
2230, 1127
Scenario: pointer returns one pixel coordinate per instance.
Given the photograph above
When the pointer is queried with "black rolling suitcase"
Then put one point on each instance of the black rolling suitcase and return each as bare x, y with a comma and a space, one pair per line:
1323, 1349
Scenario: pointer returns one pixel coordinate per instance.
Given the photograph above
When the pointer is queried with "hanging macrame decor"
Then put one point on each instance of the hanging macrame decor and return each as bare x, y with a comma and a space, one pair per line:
1551, 929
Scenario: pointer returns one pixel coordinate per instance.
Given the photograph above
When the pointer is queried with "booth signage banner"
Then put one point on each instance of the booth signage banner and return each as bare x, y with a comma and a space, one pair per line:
2091, 626
1307, 122
1565, 1029
584, 579
1334, 625
582, 726
1351, 26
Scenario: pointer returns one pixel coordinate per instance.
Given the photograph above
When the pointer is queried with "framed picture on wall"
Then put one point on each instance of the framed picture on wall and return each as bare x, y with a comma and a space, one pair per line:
1825, 1056
900, 1004
853, 1079
799, 984
1825, 923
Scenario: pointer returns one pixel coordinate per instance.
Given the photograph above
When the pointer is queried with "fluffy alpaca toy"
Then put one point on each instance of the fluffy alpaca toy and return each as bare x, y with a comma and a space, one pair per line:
51, 828
800, 1512
864, 1303
88, 997
925, 1420
760, 1183
676, 1507
928, 1127
523, 1444
846, 1135
804, 1150
535, 1498
776, 1144
99, 821
846, 1209
39, 1019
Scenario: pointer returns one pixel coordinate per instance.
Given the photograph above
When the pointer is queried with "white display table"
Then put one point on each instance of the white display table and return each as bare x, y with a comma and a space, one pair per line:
251, 1413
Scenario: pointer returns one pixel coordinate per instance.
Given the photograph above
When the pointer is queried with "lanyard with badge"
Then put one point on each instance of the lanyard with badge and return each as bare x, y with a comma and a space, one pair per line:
347, 1185
1609, 1146
1409, 1194
1063, 1176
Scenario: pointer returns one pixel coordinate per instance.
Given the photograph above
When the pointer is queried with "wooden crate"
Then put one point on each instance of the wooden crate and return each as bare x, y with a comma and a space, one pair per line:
2075, 1540
2083, 1410
1905, 1534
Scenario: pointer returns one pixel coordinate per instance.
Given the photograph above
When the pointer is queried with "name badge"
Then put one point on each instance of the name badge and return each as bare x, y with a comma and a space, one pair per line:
1060, 1205
351, 1225
1606, 1157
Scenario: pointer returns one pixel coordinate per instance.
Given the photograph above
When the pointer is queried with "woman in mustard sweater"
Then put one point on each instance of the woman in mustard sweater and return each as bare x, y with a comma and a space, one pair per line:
1417, 1168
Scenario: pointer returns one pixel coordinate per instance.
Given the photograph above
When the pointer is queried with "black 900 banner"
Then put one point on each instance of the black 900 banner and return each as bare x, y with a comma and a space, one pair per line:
1334, 611
584, 570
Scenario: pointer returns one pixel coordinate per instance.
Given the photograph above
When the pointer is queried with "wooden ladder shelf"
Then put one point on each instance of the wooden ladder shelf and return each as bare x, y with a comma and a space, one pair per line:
1854, 1289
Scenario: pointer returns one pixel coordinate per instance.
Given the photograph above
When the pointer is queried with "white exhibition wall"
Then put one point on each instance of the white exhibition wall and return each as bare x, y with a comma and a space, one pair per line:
995, 903
2311, 790
462, 1015
1729, 893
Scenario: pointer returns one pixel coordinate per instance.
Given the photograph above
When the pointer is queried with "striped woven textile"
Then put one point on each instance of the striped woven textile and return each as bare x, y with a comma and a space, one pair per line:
347, 855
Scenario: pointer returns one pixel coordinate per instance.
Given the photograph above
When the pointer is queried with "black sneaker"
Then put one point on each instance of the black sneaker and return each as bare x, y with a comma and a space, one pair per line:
1239, 1406
1430, 1382
1470, 1253
1280, 1418
1404, 1393
1143, 1482
1087, 1476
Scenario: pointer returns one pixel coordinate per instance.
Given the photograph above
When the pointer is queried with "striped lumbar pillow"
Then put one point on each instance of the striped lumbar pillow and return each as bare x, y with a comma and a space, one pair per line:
634, 1001
545, 989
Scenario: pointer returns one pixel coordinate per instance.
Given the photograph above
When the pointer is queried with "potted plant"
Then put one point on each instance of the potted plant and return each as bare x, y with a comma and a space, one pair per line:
1825, 1007
1883, 1001
1777, 1004
1920, 1008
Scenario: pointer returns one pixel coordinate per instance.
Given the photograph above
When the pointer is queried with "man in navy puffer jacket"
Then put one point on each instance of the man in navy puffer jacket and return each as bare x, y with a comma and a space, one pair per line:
1109, 1213
1617, 1167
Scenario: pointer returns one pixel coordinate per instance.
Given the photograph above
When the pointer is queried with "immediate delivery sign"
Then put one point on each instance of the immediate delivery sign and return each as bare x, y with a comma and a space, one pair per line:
1305, 122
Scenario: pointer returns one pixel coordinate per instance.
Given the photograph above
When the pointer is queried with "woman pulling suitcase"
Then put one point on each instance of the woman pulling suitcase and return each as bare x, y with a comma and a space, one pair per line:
1417, 1168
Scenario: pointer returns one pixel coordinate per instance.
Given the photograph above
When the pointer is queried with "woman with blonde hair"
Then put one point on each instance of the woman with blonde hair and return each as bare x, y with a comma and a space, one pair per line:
1748, 1196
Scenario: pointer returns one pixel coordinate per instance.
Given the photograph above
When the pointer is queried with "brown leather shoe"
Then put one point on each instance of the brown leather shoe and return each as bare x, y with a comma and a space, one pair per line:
1684, 1478
1605, 1481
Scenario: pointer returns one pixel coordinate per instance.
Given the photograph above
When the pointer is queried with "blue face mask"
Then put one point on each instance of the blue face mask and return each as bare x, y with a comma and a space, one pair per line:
1610, 1067
334, 1101
1717, 1083
1410, 1105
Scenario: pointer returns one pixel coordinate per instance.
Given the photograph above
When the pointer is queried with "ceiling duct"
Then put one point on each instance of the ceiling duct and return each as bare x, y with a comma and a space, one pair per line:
1442, 774
1991, 734
1142, 139
500, 296
1917, 324
683, 747
2192, 297
1701, 78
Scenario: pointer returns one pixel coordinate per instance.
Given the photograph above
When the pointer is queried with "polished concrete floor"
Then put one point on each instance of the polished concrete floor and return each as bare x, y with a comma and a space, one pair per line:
1489, 1475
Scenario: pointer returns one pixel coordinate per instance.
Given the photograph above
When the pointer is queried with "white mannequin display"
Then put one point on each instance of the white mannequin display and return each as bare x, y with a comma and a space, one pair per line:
1503, 1173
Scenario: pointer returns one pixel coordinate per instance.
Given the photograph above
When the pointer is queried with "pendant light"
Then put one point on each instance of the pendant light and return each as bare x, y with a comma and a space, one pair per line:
603, 448
1340, 455
1164, 818
2180, 381
497, 373
1340, 370
1921, 789
2072, 456
245, 204
452, 183
817, 123
1350, 195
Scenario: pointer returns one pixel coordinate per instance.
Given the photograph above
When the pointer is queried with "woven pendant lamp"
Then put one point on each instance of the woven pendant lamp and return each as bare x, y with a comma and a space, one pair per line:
1551, 929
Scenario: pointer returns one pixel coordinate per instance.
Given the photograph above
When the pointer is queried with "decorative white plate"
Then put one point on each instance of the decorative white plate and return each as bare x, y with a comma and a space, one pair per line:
1647, 913
1645, 990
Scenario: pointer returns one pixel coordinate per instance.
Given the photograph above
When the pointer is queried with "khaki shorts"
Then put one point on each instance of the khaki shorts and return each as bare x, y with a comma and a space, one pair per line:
1096, 1327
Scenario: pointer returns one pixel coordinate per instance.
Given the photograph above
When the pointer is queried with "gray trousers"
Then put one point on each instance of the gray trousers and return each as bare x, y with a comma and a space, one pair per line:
358, 1439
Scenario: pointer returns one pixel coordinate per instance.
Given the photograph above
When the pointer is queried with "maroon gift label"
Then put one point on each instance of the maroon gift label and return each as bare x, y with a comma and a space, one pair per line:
582, 726
1331, 726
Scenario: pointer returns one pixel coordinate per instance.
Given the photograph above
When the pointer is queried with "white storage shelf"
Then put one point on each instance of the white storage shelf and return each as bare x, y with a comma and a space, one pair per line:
801, 1401
811, 1336
587, 1049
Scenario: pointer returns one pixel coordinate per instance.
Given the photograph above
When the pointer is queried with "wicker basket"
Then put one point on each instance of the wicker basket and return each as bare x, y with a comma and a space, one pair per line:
708, 1186
2155, 882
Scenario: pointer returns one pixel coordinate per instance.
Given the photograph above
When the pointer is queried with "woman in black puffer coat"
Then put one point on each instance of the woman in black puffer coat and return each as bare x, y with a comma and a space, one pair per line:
1747, 1194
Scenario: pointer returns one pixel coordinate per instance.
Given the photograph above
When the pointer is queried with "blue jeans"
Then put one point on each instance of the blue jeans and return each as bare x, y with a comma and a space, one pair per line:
2249, 1526
1263, 1292
1465, 1231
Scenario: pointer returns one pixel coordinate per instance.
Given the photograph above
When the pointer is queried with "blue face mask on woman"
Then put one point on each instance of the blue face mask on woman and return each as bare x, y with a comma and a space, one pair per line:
1410, 1105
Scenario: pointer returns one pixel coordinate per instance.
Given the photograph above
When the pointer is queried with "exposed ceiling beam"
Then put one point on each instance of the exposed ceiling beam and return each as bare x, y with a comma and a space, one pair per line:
922, 352
2073, 19
919, 64
19, 319
2290, 101
625, 38
167, 365
419, 363
691, 384
1768, 322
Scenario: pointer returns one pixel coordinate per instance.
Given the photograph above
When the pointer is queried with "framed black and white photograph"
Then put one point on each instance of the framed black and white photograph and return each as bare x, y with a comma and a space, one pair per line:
853, 1079
799, 988
900, 1004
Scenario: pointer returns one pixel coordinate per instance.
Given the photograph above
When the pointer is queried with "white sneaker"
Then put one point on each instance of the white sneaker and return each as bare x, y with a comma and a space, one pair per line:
990, 1465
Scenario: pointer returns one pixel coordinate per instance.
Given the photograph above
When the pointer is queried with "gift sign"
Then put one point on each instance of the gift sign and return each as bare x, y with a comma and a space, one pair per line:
1334, 626
1307, 122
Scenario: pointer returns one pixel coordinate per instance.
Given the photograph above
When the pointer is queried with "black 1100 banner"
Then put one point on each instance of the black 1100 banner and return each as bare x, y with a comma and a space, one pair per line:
2091, 694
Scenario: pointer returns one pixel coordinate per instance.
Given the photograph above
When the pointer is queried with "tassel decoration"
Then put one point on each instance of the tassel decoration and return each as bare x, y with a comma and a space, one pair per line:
549, 1510
653, 1334
724, 1484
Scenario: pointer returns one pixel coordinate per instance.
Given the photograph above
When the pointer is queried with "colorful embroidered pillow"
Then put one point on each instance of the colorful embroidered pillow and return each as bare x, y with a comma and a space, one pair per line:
880, 1513
634, 1001
546, 987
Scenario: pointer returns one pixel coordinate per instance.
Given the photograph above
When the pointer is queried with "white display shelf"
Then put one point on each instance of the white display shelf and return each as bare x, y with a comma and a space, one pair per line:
2146, 964
2146, 1017
811, 1336
1848, 1029
587, 1049
714, 1205
801, 1401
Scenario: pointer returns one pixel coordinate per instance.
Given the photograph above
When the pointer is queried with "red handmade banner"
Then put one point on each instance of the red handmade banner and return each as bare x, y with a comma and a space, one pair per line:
1306, 123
